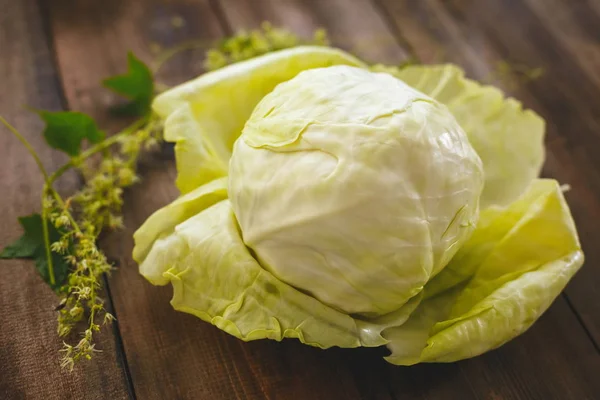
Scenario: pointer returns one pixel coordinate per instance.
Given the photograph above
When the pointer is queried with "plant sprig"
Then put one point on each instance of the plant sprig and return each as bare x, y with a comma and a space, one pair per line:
98, 206
245, 45
62, 241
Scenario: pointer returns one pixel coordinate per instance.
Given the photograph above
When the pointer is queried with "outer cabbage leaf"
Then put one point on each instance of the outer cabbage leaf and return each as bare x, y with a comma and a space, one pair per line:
162, 223
516, 263
215, 278
206, 115
509, 140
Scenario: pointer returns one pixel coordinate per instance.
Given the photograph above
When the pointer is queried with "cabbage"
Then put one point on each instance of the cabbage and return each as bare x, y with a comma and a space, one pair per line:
205, 116
354, 187
341, 206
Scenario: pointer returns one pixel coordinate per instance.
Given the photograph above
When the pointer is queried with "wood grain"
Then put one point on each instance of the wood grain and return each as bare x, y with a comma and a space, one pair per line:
175, 355
29, 358
570, 53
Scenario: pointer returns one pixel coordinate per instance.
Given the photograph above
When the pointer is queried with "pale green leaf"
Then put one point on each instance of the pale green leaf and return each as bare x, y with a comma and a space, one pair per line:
215, 277
163, 222
516, 263
206, 115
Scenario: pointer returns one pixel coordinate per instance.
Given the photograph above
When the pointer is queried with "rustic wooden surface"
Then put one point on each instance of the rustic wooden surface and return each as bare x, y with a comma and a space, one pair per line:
53, 53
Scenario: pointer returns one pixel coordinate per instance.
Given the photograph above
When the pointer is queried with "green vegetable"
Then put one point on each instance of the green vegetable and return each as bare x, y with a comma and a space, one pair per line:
340, 171
343, 207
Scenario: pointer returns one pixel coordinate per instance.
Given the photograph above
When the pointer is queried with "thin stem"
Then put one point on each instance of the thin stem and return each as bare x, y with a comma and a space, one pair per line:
169, 53
47, 238
28, 146
92, 314
62, 204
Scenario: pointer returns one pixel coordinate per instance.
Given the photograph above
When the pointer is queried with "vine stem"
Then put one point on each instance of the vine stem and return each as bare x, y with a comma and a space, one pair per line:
169, 53
47, 239
62, 204
28, 146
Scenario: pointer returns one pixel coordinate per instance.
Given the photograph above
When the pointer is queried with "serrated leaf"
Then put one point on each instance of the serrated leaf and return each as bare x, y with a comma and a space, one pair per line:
31, 246
65, 130
137, 85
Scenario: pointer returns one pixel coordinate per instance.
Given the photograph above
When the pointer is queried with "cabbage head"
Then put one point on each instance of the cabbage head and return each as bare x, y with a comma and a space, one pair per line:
351, 206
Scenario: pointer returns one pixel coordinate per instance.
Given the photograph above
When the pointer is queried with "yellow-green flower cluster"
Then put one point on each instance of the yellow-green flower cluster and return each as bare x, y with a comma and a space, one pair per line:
245, 45
81, 219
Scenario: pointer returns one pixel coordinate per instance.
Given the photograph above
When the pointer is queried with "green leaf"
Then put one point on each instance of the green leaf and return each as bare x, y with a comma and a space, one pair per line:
195, 244
31, 246
137, 85
516, 263
215, 278
163, 222
65, 130
206, 115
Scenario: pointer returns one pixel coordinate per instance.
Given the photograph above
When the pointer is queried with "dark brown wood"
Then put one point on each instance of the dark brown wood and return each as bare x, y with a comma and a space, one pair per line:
29, 358
174, 355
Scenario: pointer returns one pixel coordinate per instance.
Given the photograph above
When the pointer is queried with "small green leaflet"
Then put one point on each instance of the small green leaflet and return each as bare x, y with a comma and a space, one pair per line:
31, 246
65, 130
137, 85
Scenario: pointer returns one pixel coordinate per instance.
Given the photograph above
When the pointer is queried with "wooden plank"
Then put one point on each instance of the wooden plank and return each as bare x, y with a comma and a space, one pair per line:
29, 358
92, 40
501, 31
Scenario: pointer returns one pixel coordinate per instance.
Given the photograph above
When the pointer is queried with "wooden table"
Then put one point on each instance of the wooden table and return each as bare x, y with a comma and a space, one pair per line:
53, 54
